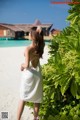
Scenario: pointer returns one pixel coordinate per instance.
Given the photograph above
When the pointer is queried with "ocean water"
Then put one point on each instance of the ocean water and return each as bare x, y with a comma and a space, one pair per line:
17, 43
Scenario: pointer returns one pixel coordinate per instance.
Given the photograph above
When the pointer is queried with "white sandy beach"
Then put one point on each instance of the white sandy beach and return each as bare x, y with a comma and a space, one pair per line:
10, 74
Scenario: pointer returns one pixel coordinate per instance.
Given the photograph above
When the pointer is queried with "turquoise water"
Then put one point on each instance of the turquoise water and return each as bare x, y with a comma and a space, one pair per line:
16, 43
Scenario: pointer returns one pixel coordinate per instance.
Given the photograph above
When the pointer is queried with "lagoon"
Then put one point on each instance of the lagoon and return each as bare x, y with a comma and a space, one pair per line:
17, 43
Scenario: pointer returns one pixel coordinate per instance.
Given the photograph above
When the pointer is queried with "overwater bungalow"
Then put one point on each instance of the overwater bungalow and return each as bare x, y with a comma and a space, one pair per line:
20, 31
55, 32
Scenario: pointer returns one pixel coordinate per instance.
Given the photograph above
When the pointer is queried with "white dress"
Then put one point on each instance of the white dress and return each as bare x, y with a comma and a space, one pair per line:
31, 89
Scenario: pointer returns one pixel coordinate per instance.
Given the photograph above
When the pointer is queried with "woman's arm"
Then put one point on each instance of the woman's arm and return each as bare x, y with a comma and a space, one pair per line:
26, 64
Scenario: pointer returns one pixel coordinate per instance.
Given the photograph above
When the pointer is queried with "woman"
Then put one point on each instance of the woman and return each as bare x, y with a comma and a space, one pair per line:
31, 84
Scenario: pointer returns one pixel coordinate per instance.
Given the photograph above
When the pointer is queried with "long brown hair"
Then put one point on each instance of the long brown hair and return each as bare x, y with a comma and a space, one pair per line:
39, 41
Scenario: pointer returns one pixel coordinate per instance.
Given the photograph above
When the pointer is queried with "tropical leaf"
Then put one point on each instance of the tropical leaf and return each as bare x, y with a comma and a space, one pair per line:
74, 88
74, 20
71, 16
65, 86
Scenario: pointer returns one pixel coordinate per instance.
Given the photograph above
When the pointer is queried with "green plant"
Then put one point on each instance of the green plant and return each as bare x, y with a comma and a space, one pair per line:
61, 76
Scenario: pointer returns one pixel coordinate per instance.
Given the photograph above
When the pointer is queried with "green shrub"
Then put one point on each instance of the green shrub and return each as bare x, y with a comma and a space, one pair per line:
61, 76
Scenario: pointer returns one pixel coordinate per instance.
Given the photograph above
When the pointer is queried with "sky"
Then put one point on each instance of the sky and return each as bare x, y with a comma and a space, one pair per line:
27, 11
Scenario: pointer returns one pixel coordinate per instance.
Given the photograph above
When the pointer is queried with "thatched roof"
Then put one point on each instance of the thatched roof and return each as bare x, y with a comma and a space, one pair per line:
37, 22
25, 27
43, 25
10, 26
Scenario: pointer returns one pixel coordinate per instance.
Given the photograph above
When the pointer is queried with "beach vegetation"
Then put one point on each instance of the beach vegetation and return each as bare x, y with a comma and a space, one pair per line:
61, 75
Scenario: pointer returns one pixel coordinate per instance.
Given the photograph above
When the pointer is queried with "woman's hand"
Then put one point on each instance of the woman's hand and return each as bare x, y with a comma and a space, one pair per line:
22, 67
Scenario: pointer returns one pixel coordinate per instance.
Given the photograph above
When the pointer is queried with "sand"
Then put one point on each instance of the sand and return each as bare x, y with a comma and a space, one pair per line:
10, 74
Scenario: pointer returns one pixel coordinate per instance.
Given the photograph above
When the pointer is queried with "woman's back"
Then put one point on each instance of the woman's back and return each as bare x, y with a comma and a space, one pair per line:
33, 57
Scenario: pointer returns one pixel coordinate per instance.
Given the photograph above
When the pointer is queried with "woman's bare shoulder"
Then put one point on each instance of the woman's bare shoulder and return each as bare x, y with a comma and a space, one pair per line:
27, 50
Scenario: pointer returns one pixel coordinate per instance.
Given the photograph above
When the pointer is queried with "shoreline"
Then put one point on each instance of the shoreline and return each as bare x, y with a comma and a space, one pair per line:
10, 60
